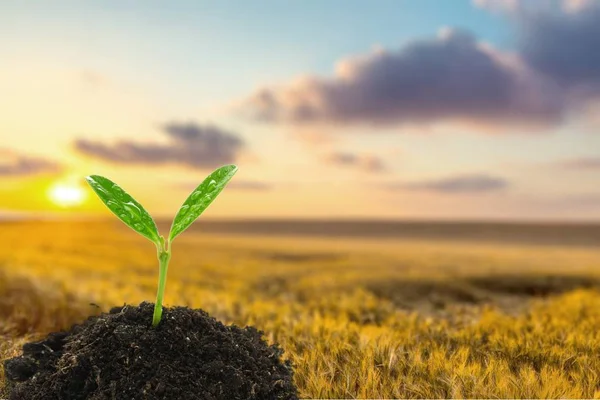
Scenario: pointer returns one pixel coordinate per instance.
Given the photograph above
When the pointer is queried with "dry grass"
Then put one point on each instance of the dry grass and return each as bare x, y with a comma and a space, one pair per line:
359, 318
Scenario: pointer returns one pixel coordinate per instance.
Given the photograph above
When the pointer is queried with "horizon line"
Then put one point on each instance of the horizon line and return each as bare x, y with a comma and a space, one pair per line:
59, 217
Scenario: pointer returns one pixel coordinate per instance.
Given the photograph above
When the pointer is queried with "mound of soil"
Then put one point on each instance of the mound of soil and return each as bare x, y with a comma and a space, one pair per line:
119, 355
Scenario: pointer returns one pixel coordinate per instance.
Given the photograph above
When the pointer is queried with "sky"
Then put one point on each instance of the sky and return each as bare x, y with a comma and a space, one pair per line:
395, 109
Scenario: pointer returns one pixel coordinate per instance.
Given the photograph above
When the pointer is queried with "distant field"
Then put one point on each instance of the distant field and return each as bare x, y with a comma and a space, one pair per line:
363, 309
547, 233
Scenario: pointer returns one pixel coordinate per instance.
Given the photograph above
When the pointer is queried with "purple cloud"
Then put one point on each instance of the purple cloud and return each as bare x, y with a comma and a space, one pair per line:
192, 145
563, 44
451, 77
474, 183
14, 164
554, 72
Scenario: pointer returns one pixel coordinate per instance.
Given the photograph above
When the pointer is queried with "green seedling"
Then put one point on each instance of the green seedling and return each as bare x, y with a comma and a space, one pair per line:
137, 218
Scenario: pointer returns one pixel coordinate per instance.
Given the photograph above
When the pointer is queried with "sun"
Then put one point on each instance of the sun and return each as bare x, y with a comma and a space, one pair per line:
66, 195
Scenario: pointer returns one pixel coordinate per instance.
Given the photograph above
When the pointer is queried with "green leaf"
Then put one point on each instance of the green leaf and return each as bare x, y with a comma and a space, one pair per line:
201, 198
124, 206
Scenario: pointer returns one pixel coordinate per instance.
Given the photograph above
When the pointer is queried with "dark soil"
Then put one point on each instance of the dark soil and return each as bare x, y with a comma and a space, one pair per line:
119, 355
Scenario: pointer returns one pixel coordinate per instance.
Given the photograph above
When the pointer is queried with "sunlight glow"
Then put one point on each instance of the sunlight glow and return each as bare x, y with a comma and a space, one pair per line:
66, 195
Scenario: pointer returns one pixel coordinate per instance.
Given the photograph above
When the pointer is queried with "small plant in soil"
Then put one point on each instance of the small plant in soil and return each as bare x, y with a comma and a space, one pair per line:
137, 218
146, 352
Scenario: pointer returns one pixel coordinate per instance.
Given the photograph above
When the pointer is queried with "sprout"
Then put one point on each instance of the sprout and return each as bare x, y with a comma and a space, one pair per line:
137, 218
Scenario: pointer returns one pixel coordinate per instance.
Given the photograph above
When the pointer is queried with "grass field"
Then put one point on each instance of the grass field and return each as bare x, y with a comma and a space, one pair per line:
380, 317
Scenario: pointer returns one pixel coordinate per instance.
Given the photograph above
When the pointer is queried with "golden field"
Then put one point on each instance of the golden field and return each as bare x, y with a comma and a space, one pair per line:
360, 317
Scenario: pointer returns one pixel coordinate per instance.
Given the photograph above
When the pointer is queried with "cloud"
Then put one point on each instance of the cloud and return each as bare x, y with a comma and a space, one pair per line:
190, 144
553, 73
13, 164
450, 77
557, 38
563, 44
474, 183
364, 162
582, 163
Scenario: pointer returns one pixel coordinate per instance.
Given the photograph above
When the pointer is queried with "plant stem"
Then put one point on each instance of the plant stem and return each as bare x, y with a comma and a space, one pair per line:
164, 255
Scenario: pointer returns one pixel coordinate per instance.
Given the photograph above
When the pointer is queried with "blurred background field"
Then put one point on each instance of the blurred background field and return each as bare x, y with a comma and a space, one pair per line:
403, 310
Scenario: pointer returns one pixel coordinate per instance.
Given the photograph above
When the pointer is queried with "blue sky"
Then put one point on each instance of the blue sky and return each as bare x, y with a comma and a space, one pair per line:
93, 84
170, 45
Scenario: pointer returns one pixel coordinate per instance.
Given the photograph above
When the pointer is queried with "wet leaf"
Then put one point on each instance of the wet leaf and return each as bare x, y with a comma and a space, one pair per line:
201, 198
124, 206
